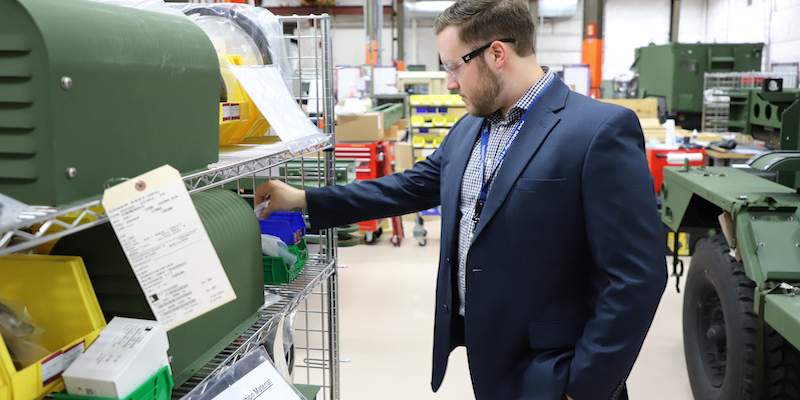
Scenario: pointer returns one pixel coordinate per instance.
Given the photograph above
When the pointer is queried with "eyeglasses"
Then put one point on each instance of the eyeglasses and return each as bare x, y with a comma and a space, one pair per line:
454, 66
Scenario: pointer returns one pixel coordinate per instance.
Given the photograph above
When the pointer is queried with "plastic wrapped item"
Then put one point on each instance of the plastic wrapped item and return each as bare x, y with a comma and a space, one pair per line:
280, 345
20, 334
248, 377
251, 31
255, 98
275, 247
150, 5
13, 212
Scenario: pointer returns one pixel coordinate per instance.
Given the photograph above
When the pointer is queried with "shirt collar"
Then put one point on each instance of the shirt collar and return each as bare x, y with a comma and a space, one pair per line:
516, 111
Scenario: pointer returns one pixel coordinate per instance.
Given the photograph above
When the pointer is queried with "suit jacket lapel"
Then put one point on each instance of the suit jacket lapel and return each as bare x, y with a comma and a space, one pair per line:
470, 128
541, 120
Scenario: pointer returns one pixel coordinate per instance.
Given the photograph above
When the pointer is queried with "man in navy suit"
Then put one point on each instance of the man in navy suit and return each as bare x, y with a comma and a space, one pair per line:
552, 262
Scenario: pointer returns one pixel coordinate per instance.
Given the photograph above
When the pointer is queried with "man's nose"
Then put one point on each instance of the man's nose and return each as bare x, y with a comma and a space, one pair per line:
452, 82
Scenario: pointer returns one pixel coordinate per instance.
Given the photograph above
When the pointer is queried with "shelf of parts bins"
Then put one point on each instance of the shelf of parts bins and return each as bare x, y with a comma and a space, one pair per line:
443, 105
292, 295
433, 127
40, 225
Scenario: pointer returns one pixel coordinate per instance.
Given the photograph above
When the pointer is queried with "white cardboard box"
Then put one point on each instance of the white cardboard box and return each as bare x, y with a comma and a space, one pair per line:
126, 354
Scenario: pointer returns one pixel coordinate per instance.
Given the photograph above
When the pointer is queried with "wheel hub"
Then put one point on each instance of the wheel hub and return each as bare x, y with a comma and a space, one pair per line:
712, 338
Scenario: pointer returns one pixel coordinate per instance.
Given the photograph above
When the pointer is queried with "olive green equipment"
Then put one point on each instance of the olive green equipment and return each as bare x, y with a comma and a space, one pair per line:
741, 309
91, 93
674, 73
234, 232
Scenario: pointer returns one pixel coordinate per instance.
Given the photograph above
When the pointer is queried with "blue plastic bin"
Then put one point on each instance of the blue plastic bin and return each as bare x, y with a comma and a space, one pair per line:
287, 226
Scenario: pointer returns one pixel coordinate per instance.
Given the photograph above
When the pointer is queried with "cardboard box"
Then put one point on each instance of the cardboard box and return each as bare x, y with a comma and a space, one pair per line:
644, 108
125, 355
366, 127
403, 156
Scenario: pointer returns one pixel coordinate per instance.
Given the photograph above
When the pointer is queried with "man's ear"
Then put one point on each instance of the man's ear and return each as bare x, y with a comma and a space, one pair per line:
498, 54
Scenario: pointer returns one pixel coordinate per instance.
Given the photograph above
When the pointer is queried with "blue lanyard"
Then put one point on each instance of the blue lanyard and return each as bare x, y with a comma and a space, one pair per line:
487, 182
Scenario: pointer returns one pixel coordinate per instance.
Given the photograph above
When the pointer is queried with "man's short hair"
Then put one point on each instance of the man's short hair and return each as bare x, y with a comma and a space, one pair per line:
481, 21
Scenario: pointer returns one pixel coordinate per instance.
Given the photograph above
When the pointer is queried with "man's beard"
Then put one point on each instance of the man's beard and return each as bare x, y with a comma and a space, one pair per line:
484, 100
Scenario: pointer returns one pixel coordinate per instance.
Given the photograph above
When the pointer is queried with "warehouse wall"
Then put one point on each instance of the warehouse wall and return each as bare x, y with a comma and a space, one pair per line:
769, 21
349, 40
630, 24
558, 41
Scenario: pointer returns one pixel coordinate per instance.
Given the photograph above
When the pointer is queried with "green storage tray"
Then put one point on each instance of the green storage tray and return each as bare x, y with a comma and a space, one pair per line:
158, 387
392, 112
276, 272
308, 391
345, 170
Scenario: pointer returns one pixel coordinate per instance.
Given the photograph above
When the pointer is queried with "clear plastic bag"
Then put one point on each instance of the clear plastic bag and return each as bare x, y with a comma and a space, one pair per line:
21, 336
275, 247
220, 386
243, 29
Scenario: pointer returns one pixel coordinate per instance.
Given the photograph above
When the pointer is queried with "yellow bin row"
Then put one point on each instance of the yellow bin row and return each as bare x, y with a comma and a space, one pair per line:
427, 141
57, 294
430, 121
450, 100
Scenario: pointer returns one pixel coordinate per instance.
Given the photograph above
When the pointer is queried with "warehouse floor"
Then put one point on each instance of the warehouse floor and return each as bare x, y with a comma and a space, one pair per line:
387, 297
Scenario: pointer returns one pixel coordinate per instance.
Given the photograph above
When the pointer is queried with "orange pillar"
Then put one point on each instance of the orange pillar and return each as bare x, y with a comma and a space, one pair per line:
592, 55
592, 48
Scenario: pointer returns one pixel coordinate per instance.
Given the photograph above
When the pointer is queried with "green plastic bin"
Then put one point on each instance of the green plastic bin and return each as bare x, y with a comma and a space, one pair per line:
276, 272
158, 387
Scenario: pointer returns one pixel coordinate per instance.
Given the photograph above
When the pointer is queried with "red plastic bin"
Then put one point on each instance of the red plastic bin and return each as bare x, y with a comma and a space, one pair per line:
657, 160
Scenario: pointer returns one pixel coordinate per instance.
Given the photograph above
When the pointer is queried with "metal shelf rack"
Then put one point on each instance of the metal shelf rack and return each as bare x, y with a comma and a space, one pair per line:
312, 299
717, 87
36, 226
306, 293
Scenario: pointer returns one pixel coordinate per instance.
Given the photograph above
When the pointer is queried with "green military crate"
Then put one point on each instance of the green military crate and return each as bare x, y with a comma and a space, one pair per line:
675, 71
233, 229
91, 93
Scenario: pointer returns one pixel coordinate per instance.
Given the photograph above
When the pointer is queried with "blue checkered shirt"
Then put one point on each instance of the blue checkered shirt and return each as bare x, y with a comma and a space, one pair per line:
500, 132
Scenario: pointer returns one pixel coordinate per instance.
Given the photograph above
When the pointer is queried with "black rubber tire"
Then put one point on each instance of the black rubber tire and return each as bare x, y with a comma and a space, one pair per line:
719, 331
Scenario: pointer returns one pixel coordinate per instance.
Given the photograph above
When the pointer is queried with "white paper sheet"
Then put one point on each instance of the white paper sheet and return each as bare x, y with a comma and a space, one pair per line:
385, 80
348, 82
262, 383
266, 87
167, 246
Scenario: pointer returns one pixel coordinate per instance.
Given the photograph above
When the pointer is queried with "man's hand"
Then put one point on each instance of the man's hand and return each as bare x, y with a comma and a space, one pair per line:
566, 397
281, 197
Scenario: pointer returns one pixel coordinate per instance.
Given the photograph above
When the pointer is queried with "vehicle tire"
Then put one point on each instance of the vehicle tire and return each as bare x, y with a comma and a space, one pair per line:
719, 331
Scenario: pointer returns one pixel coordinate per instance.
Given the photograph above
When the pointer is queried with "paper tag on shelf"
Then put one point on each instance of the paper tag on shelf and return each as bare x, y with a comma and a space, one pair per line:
167, 246
262, 383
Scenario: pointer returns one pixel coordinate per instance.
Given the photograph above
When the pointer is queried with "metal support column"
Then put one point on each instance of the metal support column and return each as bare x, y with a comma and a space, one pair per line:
373, 25
592, 48
674, 20
534, 7
401, 33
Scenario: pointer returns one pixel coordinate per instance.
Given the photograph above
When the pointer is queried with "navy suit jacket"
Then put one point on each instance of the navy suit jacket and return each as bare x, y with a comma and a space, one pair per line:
567, 265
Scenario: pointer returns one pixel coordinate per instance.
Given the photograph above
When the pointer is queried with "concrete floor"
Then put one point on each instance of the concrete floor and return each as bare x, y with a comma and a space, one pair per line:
386, 315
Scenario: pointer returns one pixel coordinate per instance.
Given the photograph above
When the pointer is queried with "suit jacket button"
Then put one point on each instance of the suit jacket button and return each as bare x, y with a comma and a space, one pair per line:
446, 308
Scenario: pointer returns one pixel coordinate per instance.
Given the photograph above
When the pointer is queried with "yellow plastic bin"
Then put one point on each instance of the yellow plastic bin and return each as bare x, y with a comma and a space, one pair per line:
59, 297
